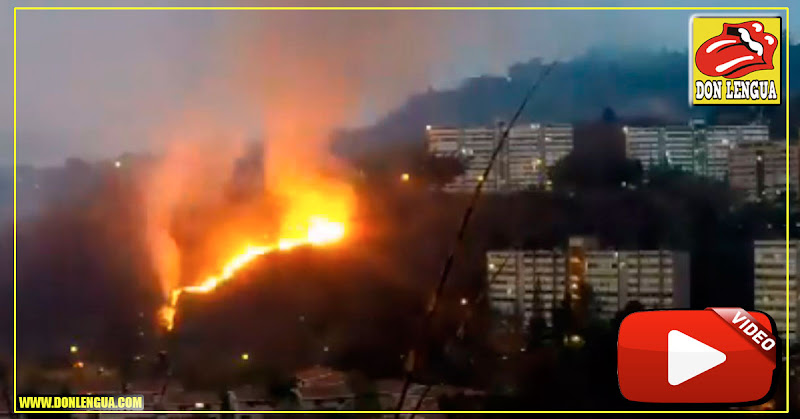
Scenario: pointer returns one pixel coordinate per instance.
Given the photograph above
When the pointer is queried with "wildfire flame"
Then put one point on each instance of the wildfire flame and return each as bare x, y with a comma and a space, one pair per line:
320, 231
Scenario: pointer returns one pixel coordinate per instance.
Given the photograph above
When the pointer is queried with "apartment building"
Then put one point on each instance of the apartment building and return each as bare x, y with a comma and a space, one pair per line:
524, 283
697, 148
758, 169
523, 162
770, 277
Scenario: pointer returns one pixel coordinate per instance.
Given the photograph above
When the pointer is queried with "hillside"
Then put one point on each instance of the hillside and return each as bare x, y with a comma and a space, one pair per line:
639, 85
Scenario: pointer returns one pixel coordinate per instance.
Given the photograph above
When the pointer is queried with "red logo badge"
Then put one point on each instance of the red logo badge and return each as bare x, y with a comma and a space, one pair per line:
740, 49
717, 355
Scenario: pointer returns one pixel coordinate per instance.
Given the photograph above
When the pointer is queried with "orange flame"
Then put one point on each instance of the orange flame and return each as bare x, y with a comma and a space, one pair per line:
320, 231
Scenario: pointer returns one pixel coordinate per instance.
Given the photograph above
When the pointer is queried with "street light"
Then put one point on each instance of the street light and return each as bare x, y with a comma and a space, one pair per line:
73, 349
245, 356
405, 177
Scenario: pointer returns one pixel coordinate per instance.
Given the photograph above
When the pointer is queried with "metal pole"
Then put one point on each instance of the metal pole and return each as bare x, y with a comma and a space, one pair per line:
448, 265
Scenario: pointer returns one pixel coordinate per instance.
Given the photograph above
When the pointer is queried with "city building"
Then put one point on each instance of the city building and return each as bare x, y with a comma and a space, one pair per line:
758, 169
522, 162
770, 278
717, 141
653, 146
532, 150
697, 148
323, 388
527, 283
522, 283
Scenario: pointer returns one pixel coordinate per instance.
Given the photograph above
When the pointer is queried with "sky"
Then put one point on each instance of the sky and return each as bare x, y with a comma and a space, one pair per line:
94, 84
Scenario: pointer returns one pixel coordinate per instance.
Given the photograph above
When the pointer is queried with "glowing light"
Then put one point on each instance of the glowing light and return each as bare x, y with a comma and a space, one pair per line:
322, 231
78, 364
319, 231
405, 177
117, 164
73, 349
245, 356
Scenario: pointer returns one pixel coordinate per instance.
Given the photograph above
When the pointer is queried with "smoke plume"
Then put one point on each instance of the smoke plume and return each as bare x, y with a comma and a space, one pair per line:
298, 76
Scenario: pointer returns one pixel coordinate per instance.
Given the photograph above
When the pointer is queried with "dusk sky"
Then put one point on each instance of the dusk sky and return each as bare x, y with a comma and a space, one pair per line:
95, 84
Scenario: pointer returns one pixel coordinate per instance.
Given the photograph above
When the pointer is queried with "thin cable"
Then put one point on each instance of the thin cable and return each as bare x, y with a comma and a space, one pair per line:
481, 295
470, 311
422, 396
433, 304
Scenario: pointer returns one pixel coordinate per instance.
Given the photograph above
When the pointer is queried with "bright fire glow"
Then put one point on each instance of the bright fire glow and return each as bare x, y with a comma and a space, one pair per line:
319, 231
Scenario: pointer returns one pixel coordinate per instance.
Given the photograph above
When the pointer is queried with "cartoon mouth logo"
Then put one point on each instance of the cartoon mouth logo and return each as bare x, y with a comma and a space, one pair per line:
740, 49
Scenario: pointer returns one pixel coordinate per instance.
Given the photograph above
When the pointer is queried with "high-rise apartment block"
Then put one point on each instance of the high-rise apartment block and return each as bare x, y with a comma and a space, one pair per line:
696, 148
775, 270
527, 283
758, 169
523, 161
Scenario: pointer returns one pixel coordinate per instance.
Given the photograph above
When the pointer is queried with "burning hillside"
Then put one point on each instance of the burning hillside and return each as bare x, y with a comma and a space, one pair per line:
320, 231
290, 89
200, 239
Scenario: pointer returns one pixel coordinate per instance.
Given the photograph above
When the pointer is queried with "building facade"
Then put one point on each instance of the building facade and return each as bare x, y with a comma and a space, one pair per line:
696, 148
769, 285
758, 169
523, 161
655, 278
527, 283
524, 283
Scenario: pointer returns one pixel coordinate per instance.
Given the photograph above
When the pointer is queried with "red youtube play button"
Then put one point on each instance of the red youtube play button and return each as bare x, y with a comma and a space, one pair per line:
717, 355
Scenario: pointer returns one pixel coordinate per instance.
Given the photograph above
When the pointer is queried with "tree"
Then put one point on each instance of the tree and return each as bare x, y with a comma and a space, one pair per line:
280, 388
537, 328
609, 116
441, 170
562, 319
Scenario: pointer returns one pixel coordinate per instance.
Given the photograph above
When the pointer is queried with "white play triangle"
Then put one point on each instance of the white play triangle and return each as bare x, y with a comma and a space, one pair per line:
688, 357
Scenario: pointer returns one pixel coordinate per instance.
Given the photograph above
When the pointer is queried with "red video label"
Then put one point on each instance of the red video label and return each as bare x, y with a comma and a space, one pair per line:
717, 355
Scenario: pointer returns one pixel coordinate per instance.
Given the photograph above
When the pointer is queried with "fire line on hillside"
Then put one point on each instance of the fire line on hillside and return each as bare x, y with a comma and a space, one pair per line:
320, 231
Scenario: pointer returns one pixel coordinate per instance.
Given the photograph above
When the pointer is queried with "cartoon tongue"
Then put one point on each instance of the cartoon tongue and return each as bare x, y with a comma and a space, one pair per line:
731, 54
